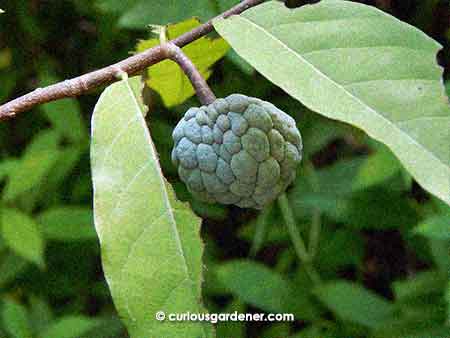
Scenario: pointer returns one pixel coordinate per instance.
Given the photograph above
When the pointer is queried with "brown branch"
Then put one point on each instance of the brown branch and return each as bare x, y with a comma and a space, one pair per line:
131, 65
175, 53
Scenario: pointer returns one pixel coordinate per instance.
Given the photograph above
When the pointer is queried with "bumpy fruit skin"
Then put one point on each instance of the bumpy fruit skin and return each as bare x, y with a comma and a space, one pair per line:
238, 150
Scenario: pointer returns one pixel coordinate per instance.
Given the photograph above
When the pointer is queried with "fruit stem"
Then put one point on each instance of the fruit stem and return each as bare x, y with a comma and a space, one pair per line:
316, 223
260, 231
175, 53
296, 237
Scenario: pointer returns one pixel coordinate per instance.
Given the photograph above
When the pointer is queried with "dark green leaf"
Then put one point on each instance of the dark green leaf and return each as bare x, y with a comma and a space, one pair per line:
423, 283
353, 303
14, 317
255, 284
40, 313
162, 12
70, 327
436, 227
22, 235
11, 266
39, 157
67, 223
230, 328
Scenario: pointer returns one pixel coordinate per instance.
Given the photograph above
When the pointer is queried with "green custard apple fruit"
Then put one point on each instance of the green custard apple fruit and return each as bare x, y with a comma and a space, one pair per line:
238, 150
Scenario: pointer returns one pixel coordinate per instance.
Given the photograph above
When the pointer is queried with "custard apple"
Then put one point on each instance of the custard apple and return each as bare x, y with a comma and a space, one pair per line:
238, 150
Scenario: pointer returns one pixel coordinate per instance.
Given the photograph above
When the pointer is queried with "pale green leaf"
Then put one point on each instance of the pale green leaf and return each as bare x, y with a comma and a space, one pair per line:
151, 248
351, 302
14, 318
356, 64
437, 227
22, 235
167, 78
67, 223
70, 327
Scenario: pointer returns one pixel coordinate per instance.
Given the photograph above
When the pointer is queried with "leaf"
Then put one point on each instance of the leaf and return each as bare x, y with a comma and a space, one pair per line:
108, 327
10, 266
368, 209
230, 328
15, 319
62, 168
348, 176
40, 313
70, 327
151, 248
356, 64
376, 169
436, 332
22, 235
7, 167
318, 131
161, 12
67, 223
436, 227
424, 283
115, 6
440, 250
276, 330
353, 303
340, 248
37, 160
255, 284
167, 78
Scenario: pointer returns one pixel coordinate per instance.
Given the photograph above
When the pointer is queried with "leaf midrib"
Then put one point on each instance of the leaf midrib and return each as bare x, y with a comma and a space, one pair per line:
166, 200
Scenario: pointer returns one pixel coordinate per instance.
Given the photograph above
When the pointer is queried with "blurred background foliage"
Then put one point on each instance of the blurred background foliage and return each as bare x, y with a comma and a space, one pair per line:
384, 245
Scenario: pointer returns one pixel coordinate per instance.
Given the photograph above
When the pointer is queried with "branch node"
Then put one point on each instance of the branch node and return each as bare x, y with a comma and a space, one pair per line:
203, 91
